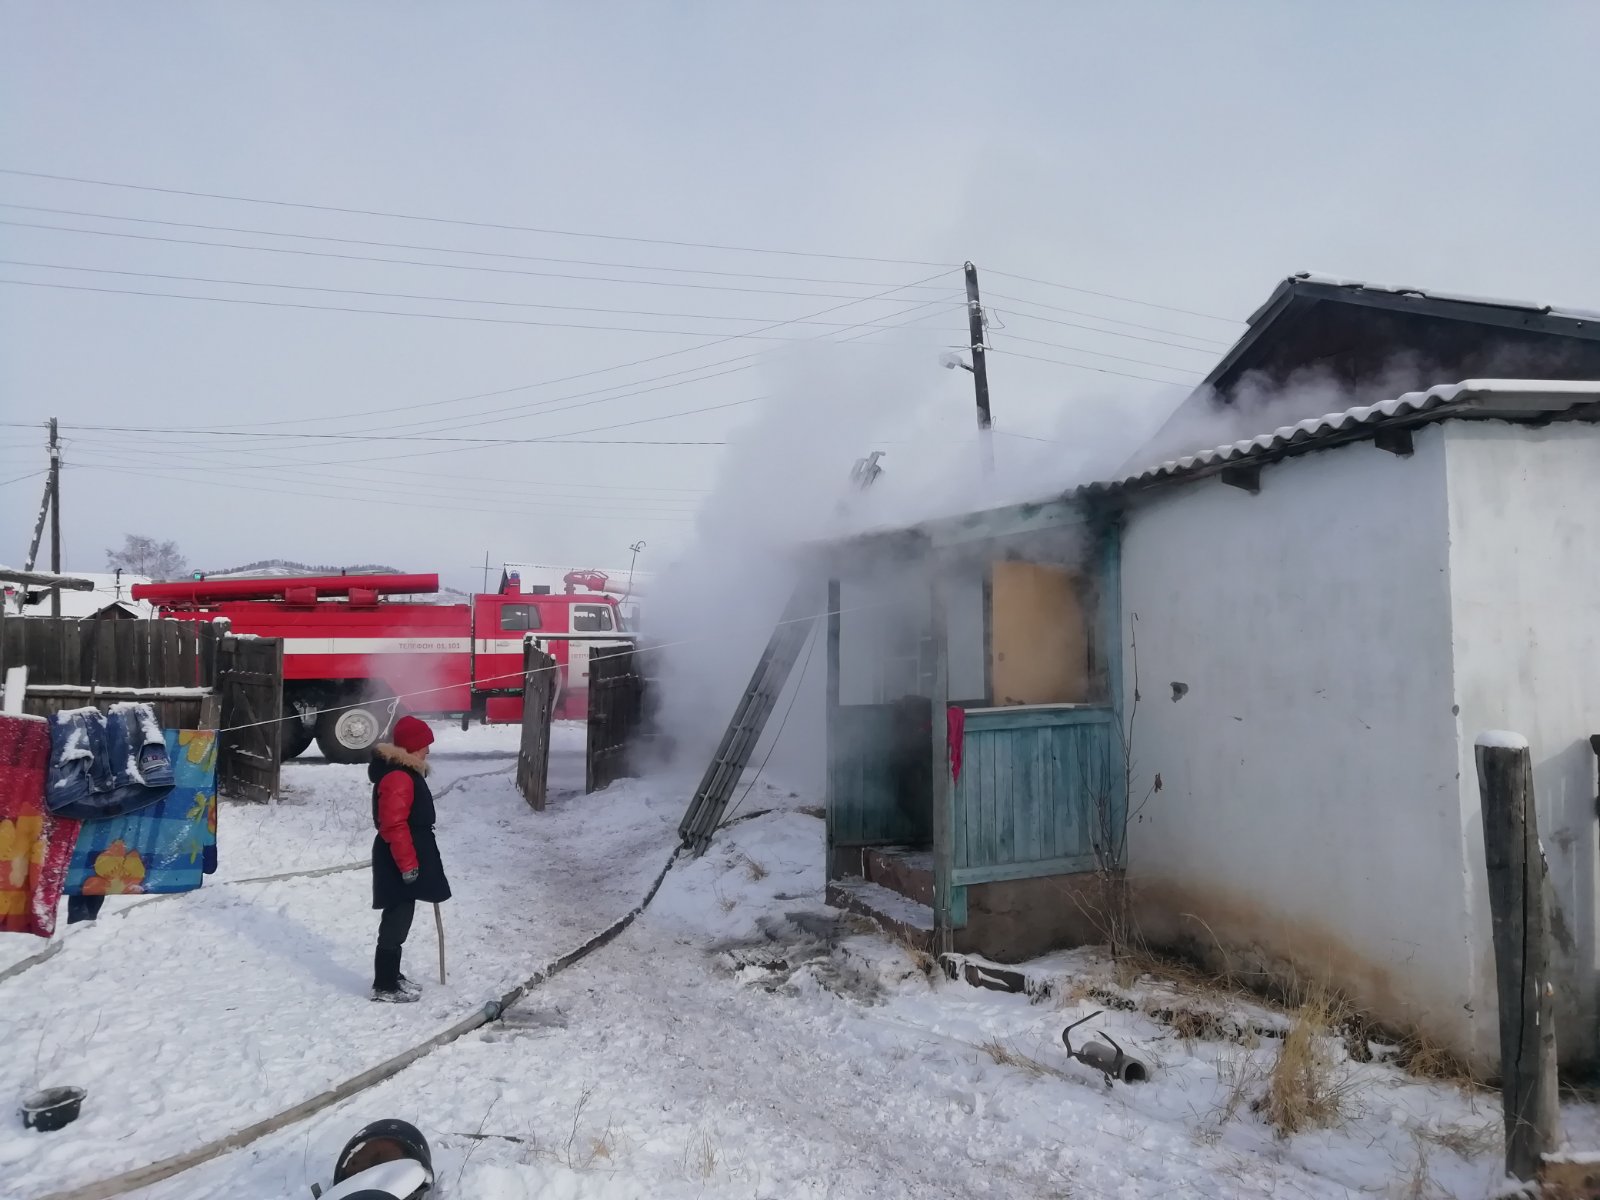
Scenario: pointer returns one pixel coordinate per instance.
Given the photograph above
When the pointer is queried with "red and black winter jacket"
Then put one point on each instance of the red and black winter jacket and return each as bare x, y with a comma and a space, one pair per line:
403, 813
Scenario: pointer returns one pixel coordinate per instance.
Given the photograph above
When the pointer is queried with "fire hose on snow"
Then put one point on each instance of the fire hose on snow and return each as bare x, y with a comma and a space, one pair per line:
491, 1011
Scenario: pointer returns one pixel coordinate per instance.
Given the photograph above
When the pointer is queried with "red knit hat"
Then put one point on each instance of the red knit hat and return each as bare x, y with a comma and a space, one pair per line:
412, 735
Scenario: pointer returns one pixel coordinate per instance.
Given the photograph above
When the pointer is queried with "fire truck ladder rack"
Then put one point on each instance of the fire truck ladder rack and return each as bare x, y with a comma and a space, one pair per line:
749, 719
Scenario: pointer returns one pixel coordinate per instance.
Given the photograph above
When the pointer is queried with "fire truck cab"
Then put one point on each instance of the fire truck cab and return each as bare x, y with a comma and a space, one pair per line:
353, 660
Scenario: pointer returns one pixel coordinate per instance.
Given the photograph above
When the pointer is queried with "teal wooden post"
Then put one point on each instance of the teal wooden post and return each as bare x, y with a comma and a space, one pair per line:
830, 721
943, 797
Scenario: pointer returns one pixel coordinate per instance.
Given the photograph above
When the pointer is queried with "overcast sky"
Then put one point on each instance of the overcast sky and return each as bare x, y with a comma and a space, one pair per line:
1184, 155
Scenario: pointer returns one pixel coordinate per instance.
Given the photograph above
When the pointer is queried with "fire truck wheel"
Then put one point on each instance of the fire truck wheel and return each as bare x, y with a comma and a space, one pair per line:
297, 735
347, 735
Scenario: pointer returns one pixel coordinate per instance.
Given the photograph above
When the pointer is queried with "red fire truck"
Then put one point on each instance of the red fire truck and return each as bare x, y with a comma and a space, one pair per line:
349, 653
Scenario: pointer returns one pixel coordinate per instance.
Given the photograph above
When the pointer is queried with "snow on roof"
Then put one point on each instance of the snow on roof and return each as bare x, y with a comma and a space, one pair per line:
1482, 398
1577, 314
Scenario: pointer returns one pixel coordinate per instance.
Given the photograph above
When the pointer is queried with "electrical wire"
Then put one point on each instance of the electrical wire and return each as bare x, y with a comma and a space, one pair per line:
389, 312
471, 224
1061, 362
390, 501
1188, 312
424, 437
883, 295
1135, 337
20, 478
461, 250
1078, 312
1017, 337
302, 287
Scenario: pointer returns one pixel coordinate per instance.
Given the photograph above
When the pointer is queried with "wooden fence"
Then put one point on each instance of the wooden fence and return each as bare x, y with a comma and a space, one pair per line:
618, 702
538, 706
182, 669
250, 748
171, 665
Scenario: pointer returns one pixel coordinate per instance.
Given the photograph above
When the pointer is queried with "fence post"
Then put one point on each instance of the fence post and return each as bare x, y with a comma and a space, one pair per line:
1516, 870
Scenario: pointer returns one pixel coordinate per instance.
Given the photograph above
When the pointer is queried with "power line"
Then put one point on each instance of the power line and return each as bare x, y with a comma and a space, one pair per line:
1188, 312
386, 312
400, 216
493, 501
383, 245
883, 295
1061, 362
427, 453
389, 501
1107, 332
1017, 337
20, 478
423, 437
1078, 312
303, 287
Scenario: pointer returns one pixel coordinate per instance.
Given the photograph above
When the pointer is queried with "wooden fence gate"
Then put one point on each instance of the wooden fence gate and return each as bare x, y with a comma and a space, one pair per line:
169, 664
250, 748
538, 705
617, 688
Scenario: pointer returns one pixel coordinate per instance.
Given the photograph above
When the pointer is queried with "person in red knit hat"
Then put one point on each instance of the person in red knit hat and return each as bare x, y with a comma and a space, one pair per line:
405, 857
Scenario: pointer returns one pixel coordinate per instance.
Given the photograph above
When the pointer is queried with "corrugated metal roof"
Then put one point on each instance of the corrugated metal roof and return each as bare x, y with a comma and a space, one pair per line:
1361, 285
1477, 398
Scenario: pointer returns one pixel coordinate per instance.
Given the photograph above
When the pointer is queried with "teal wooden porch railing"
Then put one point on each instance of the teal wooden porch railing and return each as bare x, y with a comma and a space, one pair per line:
1035, 786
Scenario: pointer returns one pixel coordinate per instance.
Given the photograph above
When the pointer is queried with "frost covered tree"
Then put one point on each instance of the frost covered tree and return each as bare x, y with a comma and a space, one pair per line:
146, 556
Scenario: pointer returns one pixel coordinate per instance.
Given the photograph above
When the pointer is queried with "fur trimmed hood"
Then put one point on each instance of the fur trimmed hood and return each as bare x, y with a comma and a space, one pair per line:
389, 752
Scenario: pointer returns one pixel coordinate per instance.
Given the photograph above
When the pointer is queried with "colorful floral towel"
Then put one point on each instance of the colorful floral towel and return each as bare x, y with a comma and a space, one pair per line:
161, 848
34, 846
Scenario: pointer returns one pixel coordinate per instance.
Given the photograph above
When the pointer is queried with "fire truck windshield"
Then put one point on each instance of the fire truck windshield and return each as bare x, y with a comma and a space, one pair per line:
592, 618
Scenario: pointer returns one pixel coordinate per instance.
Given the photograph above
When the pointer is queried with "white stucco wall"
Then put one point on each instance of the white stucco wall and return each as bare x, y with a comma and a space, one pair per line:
1525, 566
1310, 816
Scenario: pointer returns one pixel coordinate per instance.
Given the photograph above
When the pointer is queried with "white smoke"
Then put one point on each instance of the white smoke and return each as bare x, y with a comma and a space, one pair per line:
787, 483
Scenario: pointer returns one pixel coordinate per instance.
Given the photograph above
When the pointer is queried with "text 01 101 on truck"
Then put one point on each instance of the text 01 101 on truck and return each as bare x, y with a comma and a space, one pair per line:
350, 652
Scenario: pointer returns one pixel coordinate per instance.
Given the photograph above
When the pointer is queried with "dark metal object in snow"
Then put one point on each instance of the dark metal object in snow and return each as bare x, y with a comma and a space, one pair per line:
52, 1108
1110, 1060
384, 1156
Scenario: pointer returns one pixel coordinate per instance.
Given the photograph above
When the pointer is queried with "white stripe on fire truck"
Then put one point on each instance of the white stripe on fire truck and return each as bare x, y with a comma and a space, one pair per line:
378, 645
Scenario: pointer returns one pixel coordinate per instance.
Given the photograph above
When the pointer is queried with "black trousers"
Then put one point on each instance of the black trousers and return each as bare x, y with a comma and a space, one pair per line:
396, 923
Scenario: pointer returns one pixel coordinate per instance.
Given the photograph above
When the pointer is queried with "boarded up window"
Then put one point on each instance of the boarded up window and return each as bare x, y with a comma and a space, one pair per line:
1040, 646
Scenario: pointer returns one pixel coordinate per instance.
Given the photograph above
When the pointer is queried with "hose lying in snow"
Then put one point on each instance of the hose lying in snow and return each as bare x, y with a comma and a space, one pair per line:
493, 1010
50, 951
55, 947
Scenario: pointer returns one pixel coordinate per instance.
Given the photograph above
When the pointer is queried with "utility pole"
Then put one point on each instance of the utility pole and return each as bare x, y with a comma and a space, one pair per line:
980, 368
55, 516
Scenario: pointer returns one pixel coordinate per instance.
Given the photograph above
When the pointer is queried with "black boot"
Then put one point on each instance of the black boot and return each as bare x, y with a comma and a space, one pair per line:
386, 978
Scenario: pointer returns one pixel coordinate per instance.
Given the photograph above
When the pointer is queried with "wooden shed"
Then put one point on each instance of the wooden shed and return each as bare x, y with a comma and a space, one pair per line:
976, 792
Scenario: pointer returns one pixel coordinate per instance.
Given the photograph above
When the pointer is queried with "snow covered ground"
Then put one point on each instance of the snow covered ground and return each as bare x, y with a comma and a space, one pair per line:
739, 1040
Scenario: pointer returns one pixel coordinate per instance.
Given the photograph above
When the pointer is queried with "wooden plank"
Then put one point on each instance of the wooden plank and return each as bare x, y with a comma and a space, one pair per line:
961, 800
1005, 797
941, 798
1518, 880
1024, 870
1046, 716
1036, 798
989, 826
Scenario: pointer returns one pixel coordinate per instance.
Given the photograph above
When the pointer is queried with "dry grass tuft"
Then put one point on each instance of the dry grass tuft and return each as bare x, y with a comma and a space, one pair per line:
701, 1159
1467, 1141
1417, 1183
1009, 1056
1425, 1059
1243, 1078
1306, 1089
